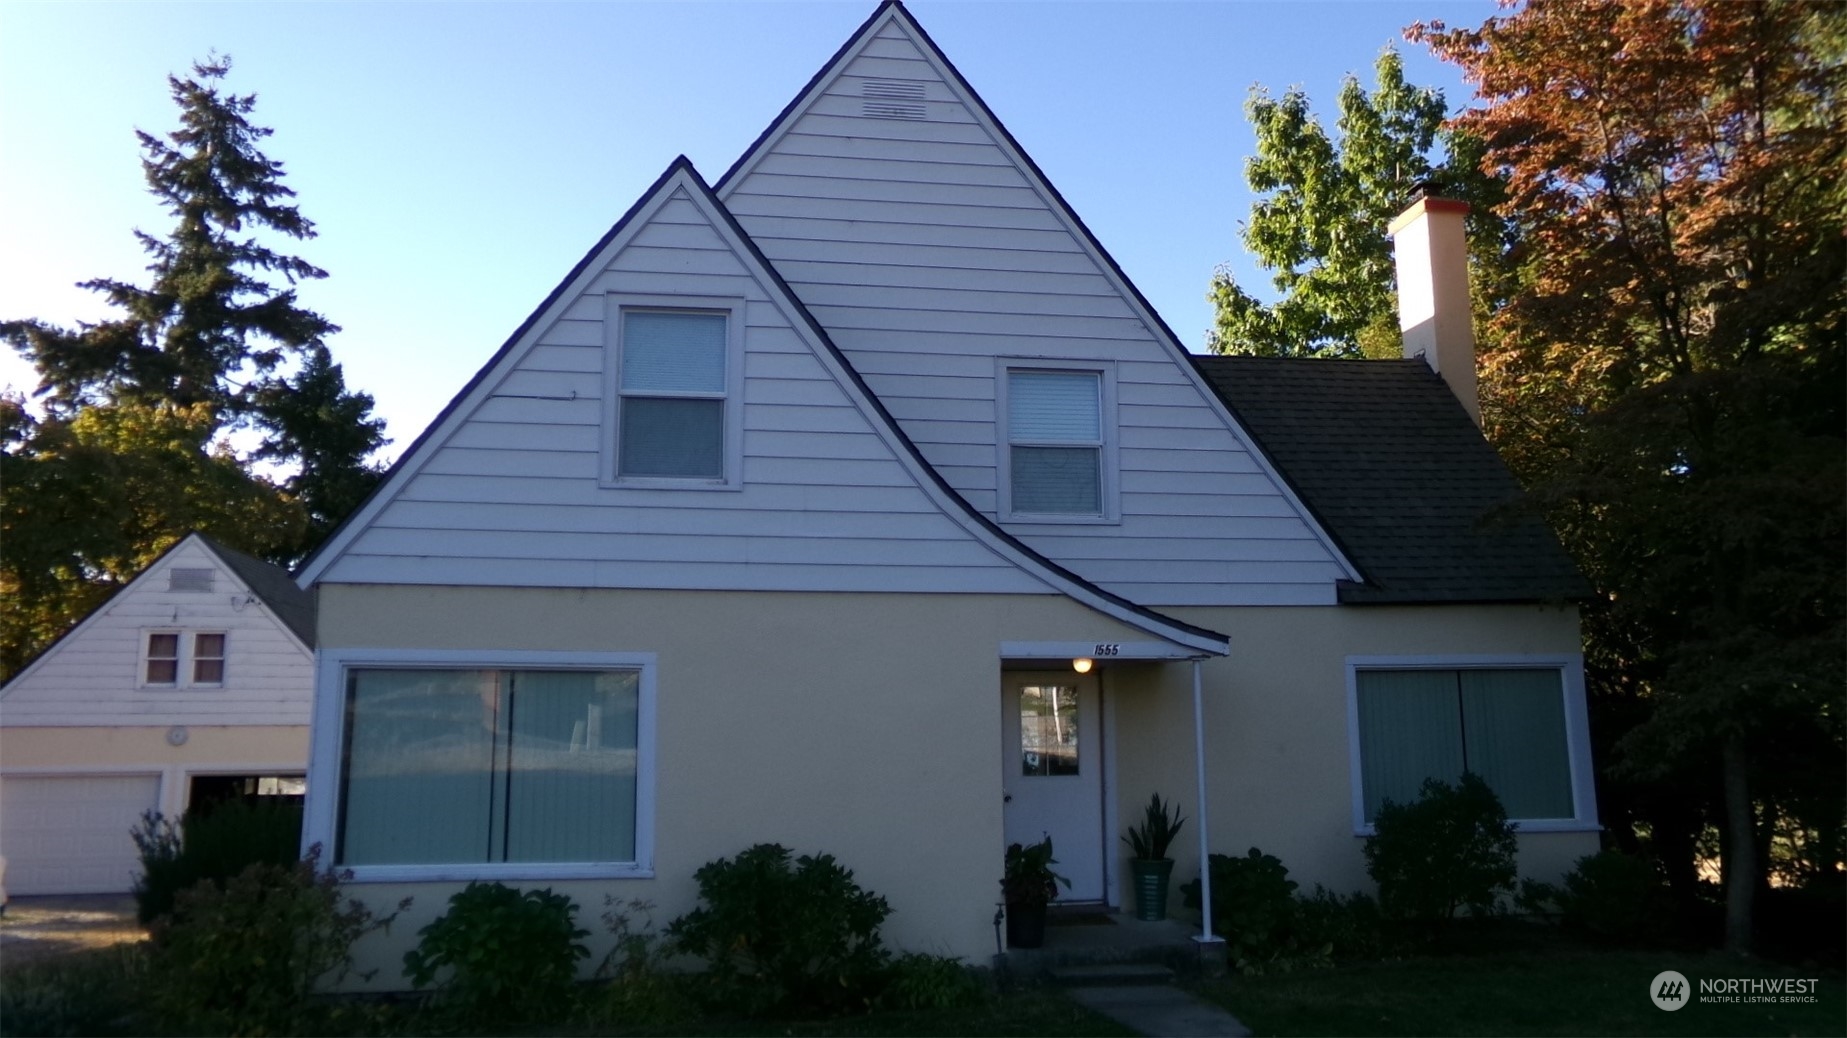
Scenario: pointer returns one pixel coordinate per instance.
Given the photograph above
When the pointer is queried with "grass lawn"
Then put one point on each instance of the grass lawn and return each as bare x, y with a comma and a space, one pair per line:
1023, 1011
1559, 990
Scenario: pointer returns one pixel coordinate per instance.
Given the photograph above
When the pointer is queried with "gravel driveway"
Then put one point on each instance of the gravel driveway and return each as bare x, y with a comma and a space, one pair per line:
37, 928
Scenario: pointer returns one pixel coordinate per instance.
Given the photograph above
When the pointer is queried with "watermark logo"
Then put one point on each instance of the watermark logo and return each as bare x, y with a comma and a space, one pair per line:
1669, 990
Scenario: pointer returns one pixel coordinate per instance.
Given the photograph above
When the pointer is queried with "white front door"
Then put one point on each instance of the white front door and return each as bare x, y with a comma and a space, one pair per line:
1052, 773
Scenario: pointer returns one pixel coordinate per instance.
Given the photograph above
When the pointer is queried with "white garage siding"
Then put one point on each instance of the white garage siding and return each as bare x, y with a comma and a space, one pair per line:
69, 834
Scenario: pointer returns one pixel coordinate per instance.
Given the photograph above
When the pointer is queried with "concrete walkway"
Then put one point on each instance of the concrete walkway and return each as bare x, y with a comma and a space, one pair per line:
1157, 1009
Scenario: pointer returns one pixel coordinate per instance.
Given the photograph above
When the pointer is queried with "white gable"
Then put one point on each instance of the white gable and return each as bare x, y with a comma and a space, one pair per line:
917, 234
95, 675
509, 492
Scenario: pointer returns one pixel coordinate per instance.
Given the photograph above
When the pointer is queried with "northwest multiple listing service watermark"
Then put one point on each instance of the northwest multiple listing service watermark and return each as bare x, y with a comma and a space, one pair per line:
1670, 990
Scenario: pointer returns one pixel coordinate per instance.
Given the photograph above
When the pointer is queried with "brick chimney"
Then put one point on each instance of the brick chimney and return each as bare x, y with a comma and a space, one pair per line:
1433, 292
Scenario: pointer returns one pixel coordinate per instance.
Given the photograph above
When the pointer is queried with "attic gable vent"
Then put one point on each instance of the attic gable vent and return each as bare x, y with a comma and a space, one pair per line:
895, 99
179, 579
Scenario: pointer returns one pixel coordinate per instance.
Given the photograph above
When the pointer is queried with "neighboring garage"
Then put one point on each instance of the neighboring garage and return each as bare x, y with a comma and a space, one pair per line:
69, 834
191, 686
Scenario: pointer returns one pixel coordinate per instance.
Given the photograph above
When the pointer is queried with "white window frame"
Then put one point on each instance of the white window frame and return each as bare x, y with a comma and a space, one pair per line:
615, 304
223, 658
321, 811
144, 656
1570, 668
186, 640
1108, 480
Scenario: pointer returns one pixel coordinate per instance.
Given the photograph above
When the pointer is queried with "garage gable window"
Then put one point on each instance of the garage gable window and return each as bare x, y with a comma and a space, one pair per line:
464, 770
163, 658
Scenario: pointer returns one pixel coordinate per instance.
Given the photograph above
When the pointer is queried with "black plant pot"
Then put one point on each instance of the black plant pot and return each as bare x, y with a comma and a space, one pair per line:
1025, 924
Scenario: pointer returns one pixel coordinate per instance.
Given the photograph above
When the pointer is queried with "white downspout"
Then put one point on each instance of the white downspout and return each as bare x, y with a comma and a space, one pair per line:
1205, 868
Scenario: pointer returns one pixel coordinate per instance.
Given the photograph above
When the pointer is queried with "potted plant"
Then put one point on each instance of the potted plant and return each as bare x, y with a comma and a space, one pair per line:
1027, 885
1151, 866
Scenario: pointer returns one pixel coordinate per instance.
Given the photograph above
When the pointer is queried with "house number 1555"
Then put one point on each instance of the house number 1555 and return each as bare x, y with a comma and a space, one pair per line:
1107, 649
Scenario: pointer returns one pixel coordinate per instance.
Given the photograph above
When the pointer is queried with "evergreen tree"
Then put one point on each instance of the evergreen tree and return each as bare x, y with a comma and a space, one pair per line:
1324, 206
140, 411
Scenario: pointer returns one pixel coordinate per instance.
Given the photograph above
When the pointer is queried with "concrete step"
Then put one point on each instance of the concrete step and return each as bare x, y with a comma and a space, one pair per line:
1111, 974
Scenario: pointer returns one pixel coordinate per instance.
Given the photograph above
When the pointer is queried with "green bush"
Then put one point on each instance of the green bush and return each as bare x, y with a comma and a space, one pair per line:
506, 955
215, 845
784, 937
1611, 897
93, 992
1453, 849
919, 981
247, 958
1269, 928
1348, 927
635, 993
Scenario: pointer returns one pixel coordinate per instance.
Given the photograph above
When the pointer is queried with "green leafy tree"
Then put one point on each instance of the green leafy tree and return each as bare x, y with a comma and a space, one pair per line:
133, 447
1668, 377
1325, 202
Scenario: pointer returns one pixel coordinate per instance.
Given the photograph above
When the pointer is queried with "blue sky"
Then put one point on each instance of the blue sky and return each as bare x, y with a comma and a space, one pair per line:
458, 158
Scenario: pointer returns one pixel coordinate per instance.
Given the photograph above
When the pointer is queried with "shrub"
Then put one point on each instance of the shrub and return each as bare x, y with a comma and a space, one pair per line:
246, 958
784, 937
510, 955
635, 993
1348, 927
1255, 909
1452, 849
1609, 896
88, 993
210, 845
919, 981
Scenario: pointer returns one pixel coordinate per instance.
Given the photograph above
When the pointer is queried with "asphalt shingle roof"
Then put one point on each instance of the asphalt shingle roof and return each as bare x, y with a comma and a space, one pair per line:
271, 583
1391, 464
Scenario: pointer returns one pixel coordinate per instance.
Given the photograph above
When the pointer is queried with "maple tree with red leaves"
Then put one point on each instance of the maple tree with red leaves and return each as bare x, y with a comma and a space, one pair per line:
1666, 375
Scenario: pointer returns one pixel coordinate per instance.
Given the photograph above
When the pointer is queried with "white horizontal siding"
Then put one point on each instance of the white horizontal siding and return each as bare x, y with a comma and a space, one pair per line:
928, 252
511, 496
93, 676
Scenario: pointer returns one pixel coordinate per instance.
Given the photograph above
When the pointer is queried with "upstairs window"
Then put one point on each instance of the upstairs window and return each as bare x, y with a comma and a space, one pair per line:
672, 390
163, 658
1056, 444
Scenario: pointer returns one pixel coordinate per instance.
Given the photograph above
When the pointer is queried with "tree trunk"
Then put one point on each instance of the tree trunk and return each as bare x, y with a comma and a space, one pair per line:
1740, 866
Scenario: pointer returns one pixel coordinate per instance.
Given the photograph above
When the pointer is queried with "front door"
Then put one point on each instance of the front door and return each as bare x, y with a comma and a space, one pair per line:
1052, 773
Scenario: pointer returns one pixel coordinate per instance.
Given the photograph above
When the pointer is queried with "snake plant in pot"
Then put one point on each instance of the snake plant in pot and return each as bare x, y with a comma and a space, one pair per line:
1150, 866
1028, 884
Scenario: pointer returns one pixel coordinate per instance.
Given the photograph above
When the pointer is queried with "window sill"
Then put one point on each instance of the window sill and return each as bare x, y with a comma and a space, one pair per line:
667, 483
1544, 825
520, 871
1061, 520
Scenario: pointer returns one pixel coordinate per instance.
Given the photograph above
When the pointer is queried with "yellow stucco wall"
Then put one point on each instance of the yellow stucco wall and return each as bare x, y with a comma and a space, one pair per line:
862, 725
1276, 728
261, 749
866, 726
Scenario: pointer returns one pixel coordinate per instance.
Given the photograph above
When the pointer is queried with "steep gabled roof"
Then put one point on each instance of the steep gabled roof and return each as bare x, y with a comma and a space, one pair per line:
288, 603
1391, 463
682, 178
272, 584
893, 14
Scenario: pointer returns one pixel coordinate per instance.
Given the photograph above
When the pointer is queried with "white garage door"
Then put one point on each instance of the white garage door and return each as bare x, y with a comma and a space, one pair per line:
68, 834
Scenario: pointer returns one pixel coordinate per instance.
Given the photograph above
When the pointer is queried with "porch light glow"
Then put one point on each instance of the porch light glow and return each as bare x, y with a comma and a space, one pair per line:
1081, 664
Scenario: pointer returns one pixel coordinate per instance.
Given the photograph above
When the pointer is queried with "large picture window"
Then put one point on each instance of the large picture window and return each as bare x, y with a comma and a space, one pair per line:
672, 387
1055, 443
484, 766
1508, 726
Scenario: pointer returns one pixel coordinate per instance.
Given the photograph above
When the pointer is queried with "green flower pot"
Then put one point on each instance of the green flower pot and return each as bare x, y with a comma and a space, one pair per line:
1151, 887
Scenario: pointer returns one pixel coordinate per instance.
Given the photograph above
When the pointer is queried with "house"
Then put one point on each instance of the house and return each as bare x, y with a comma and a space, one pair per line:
191, 684
858, 502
